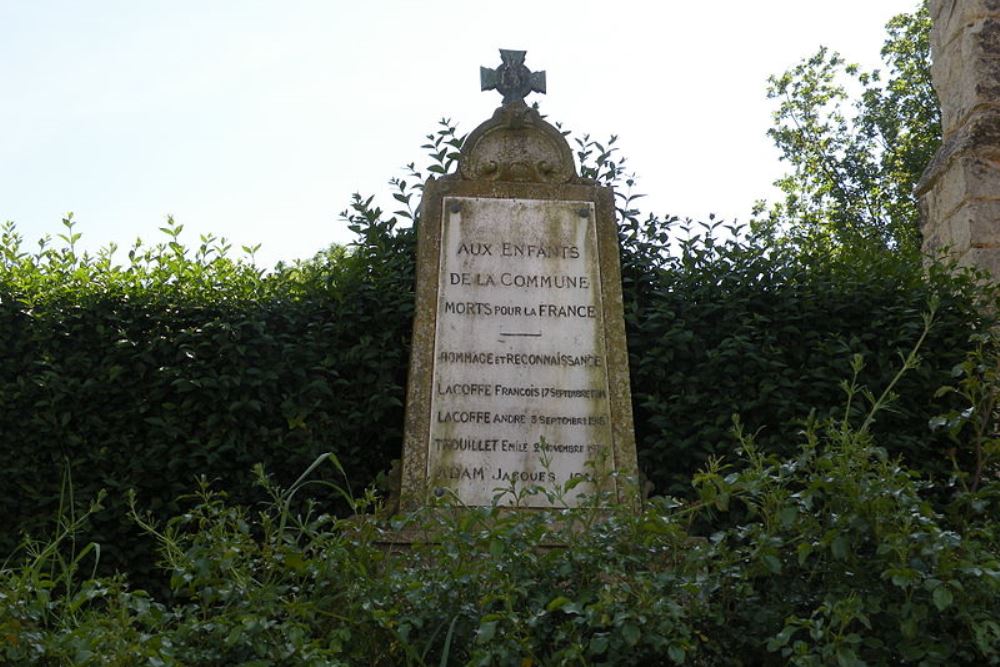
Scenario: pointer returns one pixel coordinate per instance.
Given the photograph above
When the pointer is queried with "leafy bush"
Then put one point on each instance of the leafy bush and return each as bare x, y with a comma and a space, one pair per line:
741, 324
831, 557
175, 365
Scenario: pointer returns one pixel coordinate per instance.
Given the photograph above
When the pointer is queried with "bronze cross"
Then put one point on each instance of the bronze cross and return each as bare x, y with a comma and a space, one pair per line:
512, 79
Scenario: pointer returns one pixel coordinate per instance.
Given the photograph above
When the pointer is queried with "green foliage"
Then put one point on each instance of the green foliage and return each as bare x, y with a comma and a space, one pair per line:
747, 326
833, 556
179, 364
863, 534
854, 169
972, 427
843, 554
809, 543
183, 362
54, 611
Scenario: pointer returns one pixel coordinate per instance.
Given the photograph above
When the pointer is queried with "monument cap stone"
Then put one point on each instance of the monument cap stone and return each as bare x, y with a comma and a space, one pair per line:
518, 390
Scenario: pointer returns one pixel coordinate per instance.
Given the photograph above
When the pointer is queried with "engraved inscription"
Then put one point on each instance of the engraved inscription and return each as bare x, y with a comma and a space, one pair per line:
520, 388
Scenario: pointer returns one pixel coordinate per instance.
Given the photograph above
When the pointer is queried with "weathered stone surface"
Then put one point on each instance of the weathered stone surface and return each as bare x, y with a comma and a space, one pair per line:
960, 189
517, 145
983, 218
966, 72
953, 235
519, 369
973, 226
497, 210
519, 393
966, 178
977, 136
952, 16
987, 259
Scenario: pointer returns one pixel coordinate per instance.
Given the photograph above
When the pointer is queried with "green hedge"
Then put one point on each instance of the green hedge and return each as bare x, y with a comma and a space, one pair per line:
184, 362
745, 326
176, 366
834, 558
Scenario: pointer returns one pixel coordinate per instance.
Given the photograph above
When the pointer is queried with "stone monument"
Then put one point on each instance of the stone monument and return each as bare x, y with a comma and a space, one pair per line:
518, 390
960, 190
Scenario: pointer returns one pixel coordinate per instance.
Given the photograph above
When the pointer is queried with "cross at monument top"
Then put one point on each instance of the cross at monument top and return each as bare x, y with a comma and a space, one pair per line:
512, 78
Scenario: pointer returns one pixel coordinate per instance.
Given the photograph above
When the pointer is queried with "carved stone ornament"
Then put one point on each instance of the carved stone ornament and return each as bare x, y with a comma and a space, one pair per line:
516, 145
512, 79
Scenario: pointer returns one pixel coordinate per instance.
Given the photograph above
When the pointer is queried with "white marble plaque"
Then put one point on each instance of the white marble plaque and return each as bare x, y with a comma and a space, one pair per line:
520, 385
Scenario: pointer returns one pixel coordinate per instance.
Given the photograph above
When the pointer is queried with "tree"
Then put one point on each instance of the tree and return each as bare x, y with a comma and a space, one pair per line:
856, 159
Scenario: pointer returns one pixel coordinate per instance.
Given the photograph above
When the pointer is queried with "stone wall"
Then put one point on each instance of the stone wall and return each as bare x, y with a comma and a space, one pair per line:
960, 191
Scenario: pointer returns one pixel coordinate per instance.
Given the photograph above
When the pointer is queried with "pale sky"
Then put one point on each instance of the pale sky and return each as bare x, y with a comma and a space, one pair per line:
257, 120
